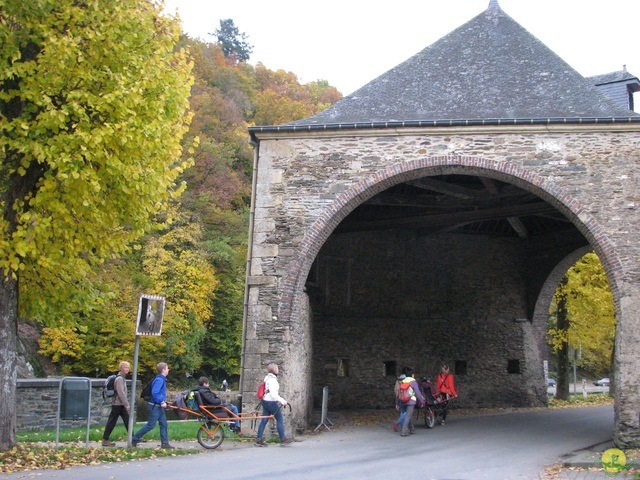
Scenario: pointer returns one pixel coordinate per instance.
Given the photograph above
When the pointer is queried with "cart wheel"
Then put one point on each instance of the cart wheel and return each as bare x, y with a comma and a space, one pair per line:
210, 435
429, 417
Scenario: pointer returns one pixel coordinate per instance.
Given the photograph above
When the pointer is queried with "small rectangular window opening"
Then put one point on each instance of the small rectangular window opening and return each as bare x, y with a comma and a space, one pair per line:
390, 368
343, 367
460, 367
513, 366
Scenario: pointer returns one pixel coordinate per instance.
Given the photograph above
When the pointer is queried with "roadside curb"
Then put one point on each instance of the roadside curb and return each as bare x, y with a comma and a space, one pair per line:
591, 457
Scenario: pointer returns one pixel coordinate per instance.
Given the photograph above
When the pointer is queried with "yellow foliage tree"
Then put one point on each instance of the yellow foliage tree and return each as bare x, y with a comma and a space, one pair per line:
93, 102
589, 307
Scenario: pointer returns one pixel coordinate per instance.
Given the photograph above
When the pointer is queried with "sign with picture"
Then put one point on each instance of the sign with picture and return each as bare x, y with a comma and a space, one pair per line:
150, 313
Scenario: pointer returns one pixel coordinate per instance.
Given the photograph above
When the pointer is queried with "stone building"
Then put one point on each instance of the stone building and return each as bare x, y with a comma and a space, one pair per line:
428, 218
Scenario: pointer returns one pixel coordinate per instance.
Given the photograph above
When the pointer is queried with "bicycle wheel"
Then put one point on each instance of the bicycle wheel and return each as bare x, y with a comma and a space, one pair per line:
429, 417
210, 435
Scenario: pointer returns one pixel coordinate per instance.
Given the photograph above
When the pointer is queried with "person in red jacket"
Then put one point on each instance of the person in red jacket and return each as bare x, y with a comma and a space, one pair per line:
445, 389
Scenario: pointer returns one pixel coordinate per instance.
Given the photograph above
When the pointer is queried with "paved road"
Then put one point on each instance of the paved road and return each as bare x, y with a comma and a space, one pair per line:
475, 447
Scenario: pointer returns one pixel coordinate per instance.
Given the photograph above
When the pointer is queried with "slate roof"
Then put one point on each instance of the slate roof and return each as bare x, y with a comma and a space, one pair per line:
488, 68
613, 77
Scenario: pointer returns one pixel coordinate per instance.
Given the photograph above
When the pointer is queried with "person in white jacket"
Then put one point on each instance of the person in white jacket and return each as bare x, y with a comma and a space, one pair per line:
270, 406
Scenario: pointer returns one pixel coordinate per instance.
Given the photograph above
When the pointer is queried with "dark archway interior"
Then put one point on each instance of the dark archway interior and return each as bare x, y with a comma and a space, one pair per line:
462, 204
439, 269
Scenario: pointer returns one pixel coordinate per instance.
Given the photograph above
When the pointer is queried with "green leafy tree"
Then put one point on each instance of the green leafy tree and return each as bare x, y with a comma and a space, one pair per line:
234, 44
92, 110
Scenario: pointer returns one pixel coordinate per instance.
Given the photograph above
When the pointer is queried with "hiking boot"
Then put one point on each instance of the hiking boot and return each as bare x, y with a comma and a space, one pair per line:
108, 443
166, 446
261, 443
395, 426
286, 441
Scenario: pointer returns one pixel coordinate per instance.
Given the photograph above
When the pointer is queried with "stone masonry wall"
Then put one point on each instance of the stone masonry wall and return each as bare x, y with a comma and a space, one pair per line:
37, 401
307, 183
419, 301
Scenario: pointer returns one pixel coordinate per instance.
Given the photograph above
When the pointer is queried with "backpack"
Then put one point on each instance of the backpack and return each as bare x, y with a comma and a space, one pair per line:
405, 392
192, 402
145, 394
180, 402
109, 387
262, 389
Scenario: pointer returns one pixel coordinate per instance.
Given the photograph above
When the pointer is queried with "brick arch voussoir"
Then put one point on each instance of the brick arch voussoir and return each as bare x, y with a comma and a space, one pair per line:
400, 172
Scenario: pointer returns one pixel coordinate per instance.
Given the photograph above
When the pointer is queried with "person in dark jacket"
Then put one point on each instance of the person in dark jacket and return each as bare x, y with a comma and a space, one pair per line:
209, 397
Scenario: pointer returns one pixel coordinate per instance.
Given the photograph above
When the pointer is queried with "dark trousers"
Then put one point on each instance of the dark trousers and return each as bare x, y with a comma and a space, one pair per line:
116, 411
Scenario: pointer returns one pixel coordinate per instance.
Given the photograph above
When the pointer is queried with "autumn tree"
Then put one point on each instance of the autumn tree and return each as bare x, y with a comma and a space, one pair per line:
583, 318
281, 98
198, 257
92, 110
234, 44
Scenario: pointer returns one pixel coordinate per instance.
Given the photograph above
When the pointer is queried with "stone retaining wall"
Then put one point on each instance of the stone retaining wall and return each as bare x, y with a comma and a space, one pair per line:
37, 401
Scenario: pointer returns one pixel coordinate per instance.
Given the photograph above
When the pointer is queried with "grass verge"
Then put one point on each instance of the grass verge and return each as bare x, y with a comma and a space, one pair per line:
37, 450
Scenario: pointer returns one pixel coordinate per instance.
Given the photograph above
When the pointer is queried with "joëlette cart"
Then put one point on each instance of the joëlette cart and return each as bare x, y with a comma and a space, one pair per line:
212, 418
435, 403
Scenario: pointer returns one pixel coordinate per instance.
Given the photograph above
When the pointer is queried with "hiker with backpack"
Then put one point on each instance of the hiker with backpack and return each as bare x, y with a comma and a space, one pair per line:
409, 395
156, 406
399, 406
119, 404
270, 406
445, 389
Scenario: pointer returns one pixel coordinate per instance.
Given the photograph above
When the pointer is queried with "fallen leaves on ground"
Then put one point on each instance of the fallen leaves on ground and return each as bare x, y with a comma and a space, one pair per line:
26, 457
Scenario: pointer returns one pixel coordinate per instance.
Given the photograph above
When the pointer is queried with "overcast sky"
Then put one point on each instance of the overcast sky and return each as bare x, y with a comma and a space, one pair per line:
351, 42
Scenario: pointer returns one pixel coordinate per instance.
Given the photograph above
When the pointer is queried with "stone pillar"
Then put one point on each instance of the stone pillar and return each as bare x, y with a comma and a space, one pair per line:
626, 382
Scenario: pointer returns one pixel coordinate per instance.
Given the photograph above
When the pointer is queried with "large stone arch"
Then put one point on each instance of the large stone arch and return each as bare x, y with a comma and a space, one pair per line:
294, 306
321, 229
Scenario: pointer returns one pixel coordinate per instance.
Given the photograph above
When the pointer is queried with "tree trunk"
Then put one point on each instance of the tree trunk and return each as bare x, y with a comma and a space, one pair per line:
8, 355
562, 388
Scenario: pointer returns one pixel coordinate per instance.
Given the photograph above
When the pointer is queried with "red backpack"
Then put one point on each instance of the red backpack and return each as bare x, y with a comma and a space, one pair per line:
261, 390
405, 392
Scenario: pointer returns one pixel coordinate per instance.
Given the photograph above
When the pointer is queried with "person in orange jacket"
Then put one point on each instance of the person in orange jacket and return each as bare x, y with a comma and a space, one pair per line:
445, 388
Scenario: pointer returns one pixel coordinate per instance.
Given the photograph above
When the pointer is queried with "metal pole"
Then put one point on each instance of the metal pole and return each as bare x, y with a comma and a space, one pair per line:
575, 378
132, 401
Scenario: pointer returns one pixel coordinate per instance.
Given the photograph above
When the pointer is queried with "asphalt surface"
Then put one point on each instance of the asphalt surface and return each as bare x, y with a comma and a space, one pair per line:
493, 446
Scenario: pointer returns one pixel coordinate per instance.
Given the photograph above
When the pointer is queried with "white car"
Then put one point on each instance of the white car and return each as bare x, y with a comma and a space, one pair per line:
603, 382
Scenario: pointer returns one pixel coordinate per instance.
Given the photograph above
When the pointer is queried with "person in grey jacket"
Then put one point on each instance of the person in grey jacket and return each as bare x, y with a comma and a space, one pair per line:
119, 404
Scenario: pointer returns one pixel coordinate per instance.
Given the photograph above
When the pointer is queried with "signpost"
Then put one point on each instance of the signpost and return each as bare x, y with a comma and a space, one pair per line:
148, 323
